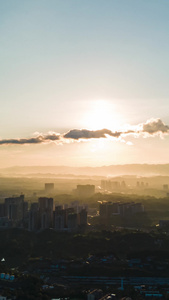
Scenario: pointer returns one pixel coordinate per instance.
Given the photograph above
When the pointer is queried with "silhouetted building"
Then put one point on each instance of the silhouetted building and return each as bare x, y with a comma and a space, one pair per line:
82, 220
137, 208
87, 190
49, 187
34, 217
72, 221
25, 210
2, 209
69, 219
46, 212
59, 218
107, 209
42, 216
15, 208
109, 185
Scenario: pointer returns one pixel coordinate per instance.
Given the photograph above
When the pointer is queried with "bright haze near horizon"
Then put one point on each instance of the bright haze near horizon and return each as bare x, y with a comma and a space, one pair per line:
101, 66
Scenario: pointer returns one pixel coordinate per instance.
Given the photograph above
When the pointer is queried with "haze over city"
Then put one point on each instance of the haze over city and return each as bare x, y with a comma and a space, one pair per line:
84, 83
84, 140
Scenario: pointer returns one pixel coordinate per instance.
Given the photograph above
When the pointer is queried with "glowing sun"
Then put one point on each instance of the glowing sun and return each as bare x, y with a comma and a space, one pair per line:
102, 114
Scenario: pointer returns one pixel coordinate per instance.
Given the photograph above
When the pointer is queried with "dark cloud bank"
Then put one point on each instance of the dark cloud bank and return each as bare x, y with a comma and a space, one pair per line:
151, 127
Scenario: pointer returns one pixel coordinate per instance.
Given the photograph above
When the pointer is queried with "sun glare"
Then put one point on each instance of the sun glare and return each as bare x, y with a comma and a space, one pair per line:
102, 114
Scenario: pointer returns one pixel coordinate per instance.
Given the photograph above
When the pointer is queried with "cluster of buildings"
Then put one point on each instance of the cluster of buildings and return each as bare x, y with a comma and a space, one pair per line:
109, 185
142, 184
42, 215
112, 185
107, 209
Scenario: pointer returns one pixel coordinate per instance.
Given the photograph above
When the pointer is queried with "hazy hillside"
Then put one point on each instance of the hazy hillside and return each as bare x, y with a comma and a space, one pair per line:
112, 170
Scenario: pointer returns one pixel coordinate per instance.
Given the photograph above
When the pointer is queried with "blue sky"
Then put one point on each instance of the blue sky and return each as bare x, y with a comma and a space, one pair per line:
60, 58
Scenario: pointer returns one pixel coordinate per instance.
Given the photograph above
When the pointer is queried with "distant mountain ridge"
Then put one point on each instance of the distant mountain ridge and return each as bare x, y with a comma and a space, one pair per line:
112, 170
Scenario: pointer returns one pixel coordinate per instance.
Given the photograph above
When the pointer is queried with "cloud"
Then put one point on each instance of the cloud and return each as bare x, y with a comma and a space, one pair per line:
151, 128
51, 136
34, 140
77, 134
155, 126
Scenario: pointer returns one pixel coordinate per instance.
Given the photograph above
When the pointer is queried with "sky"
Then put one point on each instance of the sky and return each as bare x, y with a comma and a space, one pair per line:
84, 83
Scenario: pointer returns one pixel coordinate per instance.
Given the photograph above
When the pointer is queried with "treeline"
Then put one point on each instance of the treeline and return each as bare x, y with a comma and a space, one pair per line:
18, 246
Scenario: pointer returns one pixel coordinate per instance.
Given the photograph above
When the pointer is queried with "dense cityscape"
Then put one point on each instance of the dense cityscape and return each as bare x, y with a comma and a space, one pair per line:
99, 241
84, 140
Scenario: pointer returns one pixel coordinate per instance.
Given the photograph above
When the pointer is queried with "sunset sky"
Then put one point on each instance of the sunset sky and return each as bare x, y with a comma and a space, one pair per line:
84, 83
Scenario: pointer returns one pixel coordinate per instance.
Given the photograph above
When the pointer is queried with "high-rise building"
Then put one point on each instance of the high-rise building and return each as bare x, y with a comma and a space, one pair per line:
2, 210
82, 218
72, 222
70, 218
15, 208
46, 212
34, 217
59, 218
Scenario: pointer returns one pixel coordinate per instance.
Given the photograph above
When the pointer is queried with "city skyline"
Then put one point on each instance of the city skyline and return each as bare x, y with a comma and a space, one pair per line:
84, 83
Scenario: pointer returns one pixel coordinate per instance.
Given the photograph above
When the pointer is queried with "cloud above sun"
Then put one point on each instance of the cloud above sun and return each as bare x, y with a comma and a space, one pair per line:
152, 127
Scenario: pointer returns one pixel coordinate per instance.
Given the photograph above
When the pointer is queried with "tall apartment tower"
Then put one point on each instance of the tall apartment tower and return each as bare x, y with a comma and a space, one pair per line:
34, 217
46, 212
15, 208
59, 218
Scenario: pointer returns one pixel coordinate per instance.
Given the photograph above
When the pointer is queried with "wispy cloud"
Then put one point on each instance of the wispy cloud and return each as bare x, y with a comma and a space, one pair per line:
151, 128
34, 140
